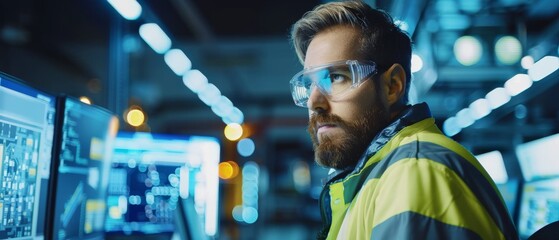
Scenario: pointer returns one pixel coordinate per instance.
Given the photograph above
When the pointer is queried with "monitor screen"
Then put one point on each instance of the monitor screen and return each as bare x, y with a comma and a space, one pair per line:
83, 147
151, 172
494, 165
539, 206
538, 158
26, 138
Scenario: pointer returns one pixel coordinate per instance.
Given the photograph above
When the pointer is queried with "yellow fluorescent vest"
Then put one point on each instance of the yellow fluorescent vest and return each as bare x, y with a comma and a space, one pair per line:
418, 185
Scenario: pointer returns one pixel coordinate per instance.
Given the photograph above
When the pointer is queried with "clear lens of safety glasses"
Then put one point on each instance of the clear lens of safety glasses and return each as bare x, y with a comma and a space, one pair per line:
333, 79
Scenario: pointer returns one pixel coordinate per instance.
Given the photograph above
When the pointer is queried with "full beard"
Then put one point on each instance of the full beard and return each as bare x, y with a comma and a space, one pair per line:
342, 151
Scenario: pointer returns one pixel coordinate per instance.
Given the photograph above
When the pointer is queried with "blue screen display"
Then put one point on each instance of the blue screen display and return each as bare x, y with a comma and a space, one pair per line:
539, 206
151, 172
26, 139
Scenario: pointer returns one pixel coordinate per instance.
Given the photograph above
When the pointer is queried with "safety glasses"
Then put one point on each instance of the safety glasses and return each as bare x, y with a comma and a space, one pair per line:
333, 80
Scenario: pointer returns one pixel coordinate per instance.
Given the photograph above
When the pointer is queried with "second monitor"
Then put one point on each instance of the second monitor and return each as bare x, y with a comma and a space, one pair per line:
151, 174
83, 145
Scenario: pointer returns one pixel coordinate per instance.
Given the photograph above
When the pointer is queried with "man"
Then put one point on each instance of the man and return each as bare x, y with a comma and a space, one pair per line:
397, 176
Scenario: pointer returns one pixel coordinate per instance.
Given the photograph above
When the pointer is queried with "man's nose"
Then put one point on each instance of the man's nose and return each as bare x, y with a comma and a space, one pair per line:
317, 101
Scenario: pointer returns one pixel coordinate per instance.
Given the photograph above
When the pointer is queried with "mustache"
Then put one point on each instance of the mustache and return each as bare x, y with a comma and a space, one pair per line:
324, 118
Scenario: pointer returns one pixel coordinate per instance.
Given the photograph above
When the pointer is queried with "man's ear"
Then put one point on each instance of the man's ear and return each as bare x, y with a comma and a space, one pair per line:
395, 83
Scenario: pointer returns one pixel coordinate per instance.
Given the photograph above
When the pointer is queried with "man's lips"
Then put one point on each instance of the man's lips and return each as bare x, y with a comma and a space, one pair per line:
324, 127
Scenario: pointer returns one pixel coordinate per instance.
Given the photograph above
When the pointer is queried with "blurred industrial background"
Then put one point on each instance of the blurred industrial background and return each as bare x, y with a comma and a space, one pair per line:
466, 51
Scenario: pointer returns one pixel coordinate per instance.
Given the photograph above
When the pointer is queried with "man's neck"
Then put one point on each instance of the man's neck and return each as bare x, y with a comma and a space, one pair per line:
396, 110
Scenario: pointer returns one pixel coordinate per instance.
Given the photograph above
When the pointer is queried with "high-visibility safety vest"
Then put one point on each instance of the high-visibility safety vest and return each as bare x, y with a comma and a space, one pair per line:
413, 182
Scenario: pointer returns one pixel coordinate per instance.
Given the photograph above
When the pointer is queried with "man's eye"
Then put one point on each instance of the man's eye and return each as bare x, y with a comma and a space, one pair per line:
337, 78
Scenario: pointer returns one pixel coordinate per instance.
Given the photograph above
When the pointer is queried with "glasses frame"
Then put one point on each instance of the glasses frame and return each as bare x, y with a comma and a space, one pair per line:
360, 72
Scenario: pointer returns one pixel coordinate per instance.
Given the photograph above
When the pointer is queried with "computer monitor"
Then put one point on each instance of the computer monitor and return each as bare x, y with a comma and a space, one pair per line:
538, 158
150, 175
494, 165
83, 146
539, 206
26, 138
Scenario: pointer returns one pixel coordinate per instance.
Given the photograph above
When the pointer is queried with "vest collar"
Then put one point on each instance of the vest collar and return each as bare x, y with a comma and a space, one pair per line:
407, 117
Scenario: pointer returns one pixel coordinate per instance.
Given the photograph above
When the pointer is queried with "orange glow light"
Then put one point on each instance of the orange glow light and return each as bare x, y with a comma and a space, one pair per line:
228, 170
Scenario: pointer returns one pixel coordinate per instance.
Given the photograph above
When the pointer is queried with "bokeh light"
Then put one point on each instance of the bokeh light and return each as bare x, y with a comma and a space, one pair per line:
85, 100
233, 131
245, 147
228, 170
508, 50
468, 50
135, 117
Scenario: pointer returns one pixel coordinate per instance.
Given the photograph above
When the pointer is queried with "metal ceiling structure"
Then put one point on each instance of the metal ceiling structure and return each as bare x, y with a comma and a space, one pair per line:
243, 49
